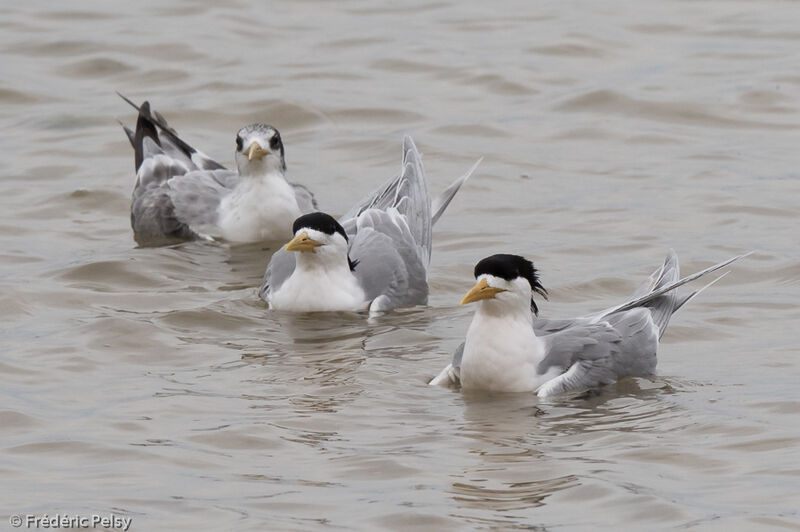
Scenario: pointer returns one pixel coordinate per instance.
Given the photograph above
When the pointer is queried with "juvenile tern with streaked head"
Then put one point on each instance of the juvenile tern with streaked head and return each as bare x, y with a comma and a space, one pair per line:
509, 349
182, 194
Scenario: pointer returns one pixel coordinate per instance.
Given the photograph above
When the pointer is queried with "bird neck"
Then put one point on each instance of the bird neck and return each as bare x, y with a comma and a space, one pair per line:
264, 174
328, 262
506, 311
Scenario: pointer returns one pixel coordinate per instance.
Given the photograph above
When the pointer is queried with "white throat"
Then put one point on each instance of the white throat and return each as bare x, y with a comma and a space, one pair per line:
501, 352
319, 284
259, 208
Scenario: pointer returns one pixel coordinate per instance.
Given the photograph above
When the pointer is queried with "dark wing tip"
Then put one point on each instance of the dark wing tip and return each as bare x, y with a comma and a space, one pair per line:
131, 135
127, 100
144, 128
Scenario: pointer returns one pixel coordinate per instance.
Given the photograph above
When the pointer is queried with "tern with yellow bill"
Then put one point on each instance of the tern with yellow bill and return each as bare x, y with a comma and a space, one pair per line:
182, 194
375, 258
508, 348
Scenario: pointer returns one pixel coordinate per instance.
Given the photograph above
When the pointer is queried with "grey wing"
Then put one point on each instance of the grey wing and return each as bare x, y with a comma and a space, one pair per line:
388, 265
661, 306
152, 211
593, 354
451, 374
408, 194
166, 168
545, 326
196, 196
280, 267
658, 292
441, 201
305, 199
169, 140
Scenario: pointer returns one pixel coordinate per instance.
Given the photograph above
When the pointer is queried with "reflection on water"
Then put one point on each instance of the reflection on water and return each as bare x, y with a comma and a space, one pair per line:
152, 382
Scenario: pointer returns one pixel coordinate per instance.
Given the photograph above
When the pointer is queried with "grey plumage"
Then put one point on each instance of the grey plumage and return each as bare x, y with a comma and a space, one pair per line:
389, 235
178, 189
603, 347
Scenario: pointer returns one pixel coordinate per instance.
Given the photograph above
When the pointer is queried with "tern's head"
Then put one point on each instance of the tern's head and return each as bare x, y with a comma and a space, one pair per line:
507, 279
321, 237
259, 150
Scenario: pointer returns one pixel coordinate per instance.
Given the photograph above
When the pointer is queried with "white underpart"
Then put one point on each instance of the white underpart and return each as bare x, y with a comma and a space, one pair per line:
321, 281
501, 351
259, 208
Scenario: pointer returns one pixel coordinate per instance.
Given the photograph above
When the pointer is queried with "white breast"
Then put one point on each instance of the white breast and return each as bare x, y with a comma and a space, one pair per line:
259, 209
501, 354
318, 289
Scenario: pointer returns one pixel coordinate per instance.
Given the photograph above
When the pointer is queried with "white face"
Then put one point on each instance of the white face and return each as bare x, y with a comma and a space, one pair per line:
504, 295
515, 290
318, 247
259, 151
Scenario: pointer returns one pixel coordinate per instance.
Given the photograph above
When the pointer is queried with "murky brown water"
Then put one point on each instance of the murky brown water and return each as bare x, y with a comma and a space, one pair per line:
152, 383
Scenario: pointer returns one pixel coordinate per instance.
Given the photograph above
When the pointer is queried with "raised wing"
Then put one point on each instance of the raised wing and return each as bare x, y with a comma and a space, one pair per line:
441, 201
636, 302
407, 194
389, 266
149, 123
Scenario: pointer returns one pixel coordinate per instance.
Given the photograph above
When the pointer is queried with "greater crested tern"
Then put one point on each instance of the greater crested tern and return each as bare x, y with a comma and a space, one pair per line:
509, 349
182, 194
376, 258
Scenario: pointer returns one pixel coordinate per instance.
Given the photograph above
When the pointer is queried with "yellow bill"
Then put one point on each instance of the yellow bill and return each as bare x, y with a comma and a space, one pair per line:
302, 242
482, 290
256, 152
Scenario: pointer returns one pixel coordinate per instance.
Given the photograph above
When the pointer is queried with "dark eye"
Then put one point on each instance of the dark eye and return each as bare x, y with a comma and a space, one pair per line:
238, 143
275, 142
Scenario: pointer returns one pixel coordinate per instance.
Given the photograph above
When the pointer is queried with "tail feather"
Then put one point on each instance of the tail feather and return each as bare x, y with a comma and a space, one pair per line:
685, 299
441, 202
662, 308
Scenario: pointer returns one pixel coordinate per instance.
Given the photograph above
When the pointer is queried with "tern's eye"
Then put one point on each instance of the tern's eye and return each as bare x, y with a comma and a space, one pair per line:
275, 142
238, 143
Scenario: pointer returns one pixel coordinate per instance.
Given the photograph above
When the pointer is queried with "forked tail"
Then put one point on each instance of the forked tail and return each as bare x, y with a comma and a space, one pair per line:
658, 292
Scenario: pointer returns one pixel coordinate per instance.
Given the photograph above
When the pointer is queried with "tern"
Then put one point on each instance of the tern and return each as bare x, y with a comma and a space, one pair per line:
375, 258
182, 194
509, 349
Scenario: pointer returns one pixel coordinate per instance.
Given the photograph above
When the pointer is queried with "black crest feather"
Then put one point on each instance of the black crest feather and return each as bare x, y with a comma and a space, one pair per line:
324, 223
510, 267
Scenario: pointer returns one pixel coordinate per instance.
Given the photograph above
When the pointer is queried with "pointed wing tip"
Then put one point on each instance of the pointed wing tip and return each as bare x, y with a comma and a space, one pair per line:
472, 169
127, 100
733, 259
408, 145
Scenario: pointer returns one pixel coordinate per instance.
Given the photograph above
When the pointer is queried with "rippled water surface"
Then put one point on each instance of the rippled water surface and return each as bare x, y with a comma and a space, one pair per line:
152, 382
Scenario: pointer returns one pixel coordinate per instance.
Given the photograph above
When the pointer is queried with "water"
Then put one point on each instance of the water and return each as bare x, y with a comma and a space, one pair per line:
152, 383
